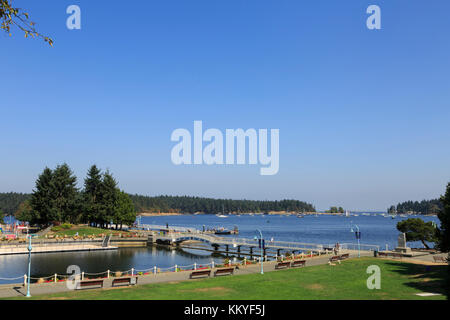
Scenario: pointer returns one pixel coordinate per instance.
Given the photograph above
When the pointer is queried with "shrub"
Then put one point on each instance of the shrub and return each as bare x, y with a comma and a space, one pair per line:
66, 226
56, 228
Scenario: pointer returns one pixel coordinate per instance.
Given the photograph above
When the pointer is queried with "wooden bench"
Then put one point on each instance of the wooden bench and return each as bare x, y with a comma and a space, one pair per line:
335, 259
128, 281
282, 265
201, 273
90, 283
344, 256
298, 263
440, 259
226, 271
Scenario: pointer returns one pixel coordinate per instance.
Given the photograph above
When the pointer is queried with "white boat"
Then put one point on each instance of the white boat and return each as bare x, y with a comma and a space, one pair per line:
223, 214
347, 214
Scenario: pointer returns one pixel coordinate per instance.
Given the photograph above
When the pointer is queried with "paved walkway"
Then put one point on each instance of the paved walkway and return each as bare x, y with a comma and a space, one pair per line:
50, 288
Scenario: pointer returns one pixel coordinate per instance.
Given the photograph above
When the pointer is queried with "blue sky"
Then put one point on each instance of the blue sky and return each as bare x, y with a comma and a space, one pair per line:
363, 115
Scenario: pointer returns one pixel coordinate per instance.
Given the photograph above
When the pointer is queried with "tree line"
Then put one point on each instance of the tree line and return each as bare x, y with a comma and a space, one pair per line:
18, 205
186, 204
56, 198
419, 207
10, 201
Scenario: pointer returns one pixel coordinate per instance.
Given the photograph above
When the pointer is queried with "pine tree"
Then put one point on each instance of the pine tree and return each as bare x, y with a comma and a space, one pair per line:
65, 194
41, 199
92, 196
109, 198
444, 233
444, 217
125, 212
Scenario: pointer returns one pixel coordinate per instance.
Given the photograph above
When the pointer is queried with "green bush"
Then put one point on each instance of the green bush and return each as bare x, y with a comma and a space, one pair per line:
66, 226
56, 228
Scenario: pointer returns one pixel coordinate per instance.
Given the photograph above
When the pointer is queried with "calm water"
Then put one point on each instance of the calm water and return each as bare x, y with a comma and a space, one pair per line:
328, 230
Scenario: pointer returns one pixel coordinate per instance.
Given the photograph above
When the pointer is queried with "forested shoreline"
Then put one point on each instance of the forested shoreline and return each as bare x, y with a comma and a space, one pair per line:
11, 203
433, 206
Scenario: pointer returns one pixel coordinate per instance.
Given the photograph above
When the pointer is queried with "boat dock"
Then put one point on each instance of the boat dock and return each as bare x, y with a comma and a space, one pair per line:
41, 246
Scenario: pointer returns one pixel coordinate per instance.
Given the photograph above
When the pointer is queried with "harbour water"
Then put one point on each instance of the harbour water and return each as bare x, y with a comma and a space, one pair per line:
322, 229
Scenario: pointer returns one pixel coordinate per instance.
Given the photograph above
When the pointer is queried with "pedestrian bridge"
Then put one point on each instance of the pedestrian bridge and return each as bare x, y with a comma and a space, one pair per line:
179, 237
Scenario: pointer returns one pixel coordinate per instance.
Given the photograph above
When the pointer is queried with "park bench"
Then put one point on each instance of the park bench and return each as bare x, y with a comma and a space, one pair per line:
298, 263
90, 283
282, 265
335, 259
382, 254
226, 271
200, 273
440, 259
345, 256
128, 281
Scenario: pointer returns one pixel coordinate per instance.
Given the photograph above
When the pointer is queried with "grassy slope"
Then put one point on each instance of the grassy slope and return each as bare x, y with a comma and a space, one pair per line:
345, 281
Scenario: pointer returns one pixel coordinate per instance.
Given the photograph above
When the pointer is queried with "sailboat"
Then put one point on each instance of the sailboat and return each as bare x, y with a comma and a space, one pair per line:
347, 214
221, 215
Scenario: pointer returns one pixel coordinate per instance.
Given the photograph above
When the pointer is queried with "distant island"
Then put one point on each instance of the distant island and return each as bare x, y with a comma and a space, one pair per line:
10, 202
415, 207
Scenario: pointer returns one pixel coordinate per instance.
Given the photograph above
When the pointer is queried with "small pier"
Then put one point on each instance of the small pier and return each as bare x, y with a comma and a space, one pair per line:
40, 246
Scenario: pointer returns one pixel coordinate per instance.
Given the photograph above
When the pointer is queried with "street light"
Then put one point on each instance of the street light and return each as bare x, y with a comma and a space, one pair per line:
29, 264
358, 236
261, 245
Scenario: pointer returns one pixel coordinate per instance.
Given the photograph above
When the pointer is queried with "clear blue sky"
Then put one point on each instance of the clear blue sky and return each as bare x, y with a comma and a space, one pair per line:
363, 115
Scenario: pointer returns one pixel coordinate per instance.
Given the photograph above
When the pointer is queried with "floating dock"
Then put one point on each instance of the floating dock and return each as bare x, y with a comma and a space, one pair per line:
50, 248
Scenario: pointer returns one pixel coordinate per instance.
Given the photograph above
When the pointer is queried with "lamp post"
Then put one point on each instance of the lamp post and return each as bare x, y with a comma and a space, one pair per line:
29, 264
261, 246
358, 236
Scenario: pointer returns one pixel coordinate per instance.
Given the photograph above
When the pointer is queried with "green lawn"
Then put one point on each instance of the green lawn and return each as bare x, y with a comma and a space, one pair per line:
346, 281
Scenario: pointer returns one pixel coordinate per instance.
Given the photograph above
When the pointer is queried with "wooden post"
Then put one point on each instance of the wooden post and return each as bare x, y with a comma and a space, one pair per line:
82, 276
24, 280
108, 274
56, 278
245, 261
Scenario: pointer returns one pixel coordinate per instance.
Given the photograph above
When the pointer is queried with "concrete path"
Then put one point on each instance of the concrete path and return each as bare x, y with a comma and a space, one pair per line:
50, 288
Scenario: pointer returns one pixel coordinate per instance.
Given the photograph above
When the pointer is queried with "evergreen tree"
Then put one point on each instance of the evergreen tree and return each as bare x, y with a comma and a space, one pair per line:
444, 233
25, 213
444, 217
418, 230
2, 215
92, 196
125, 212
41, 200
109, 198
65, 194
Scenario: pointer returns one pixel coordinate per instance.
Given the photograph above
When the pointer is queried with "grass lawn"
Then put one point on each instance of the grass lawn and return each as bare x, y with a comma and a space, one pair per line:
85, 230
345, 281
